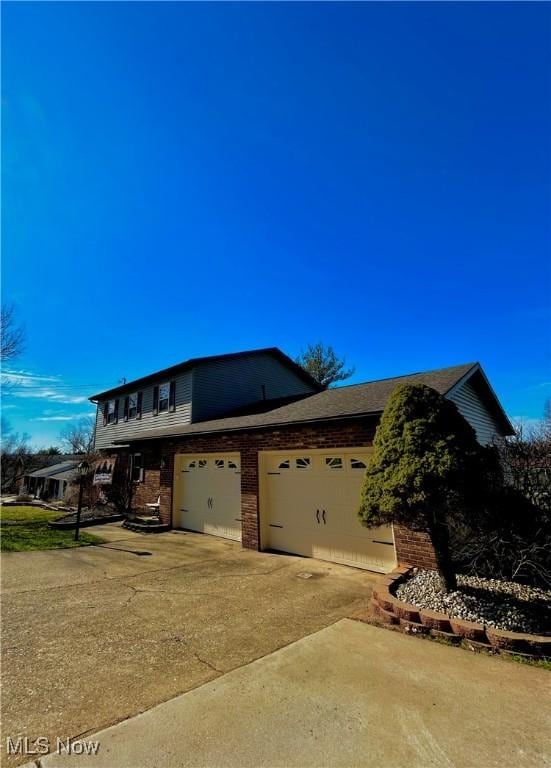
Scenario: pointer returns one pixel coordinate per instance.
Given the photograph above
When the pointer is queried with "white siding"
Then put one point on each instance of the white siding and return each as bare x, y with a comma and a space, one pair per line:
471, 407
222, 385
131, 429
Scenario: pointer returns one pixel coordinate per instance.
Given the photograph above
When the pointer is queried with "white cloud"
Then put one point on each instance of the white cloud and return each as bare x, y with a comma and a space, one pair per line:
63, 417
51, 394
30, 385
26, 378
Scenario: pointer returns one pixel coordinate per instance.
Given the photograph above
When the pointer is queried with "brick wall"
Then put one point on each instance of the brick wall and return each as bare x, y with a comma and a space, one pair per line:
147, 491
412, 548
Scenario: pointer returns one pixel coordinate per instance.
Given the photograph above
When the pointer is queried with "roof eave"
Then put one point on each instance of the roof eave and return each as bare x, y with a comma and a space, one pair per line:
253, 427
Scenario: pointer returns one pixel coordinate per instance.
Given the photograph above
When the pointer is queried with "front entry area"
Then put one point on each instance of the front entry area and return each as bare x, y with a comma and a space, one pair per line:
207, 494
309, 503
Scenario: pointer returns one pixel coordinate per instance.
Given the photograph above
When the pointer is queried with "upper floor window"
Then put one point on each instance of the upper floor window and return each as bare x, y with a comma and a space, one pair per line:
111, 412
133, 406
164, 397
164, 394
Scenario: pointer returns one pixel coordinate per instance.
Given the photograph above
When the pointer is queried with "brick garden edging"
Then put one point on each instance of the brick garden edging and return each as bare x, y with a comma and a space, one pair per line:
66, 525
387, 609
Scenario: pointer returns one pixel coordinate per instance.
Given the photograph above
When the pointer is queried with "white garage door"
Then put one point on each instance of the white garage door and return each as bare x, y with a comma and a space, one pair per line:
309, 507
207, 494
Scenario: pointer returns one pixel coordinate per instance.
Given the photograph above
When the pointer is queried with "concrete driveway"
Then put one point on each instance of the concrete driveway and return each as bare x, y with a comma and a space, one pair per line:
92, 636
349, 695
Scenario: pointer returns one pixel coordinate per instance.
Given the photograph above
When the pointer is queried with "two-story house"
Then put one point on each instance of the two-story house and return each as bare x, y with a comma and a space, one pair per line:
249, 447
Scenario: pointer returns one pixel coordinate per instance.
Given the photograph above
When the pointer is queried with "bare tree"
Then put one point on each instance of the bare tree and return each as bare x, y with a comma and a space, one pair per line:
511, 537
15, 456
12, 335
79, 436
322, 363
546, 426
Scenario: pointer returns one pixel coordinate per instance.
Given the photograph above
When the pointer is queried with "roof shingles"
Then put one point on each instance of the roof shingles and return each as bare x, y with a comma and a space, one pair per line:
337, 403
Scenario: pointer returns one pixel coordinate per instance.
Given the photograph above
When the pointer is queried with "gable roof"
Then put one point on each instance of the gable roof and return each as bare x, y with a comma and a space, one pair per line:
339, 403
174, 370
63, 464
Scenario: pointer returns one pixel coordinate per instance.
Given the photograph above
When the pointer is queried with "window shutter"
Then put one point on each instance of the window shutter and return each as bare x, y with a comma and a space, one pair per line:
116, 411
139, 406
105, 412
126, 401
155, 401
172, 397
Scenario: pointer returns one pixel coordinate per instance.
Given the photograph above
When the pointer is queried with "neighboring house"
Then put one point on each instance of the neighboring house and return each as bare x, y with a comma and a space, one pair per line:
249, 447
52, 481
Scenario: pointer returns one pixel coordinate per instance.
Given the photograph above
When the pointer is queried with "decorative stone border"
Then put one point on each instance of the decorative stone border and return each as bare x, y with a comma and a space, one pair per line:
387, 609
66, 525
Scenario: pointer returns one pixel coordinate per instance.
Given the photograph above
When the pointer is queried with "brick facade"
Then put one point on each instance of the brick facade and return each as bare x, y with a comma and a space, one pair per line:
411, 547
414, 548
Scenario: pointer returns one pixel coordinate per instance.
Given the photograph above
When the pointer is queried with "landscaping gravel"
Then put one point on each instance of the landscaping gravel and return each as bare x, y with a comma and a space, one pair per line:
500, 604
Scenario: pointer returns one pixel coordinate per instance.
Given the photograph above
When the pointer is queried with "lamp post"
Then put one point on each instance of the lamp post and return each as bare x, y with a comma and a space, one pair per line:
82, 471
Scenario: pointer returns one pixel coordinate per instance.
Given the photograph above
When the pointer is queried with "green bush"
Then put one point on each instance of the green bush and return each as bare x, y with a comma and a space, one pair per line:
426, 470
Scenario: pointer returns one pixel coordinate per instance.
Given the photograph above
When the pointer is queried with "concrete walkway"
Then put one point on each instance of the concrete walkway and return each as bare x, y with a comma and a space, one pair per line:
348, 695
95, 635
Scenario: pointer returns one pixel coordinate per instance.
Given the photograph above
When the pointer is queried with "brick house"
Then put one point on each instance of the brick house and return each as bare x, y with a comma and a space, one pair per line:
249, 447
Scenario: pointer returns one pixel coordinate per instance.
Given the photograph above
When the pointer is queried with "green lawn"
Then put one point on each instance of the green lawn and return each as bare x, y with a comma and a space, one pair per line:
26, 528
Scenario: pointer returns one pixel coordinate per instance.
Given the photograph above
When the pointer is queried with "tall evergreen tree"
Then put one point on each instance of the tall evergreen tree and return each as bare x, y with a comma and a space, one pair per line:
322, 363
427, 469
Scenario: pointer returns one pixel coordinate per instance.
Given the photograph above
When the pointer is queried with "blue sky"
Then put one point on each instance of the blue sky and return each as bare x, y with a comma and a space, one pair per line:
190, 179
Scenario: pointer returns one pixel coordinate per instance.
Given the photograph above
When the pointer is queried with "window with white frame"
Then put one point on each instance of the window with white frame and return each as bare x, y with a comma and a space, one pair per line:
303, 462
136, 467
111, 412
334, 462
164, 397
132, 405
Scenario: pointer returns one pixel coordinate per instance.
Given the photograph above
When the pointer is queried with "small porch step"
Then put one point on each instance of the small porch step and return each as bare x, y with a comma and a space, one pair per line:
146, 524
